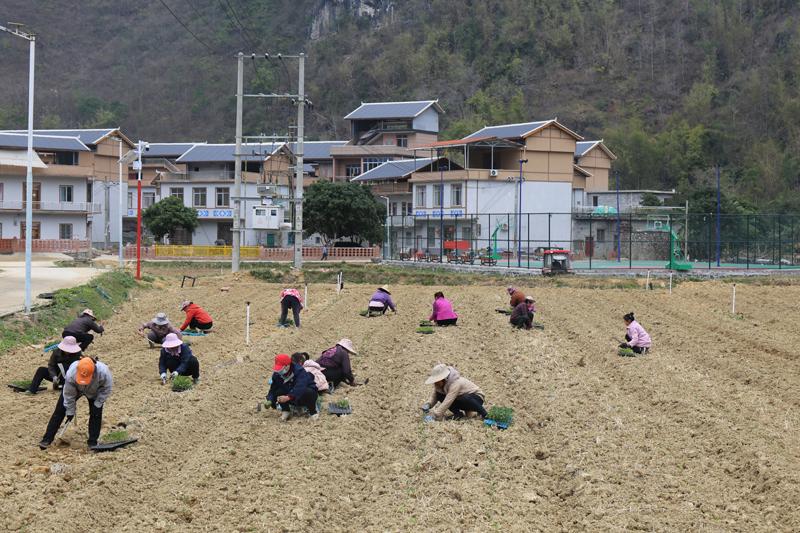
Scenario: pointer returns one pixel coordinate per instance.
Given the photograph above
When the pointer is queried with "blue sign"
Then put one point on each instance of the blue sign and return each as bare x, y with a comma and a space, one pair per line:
438, 213
215, 213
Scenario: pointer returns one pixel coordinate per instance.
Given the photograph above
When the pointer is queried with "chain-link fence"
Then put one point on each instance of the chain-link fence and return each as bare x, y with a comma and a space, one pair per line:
599, 240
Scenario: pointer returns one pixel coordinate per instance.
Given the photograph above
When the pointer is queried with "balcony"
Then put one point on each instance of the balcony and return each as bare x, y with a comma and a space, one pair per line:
209, 176
82, 208
371, 150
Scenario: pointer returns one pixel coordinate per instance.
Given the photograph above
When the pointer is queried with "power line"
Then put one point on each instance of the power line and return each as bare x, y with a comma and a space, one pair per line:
236, 23
198, 39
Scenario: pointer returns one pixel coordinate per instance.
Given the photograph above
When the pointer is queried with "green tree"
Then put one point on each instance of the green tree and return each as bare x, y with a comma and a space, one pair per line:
337, 210
164, 217
650, 200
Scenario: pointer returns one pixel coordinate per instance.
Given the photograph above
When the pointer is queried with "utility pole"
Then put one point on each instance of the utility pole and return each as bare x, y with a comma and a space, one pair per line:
121, 207
107, 214
298, 182
31, 38
237, 186
138, 166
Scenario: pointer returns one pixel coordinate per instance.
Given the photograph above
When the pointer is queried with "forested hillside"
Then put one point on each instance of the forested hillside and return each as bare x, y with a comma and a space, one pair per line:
674, 87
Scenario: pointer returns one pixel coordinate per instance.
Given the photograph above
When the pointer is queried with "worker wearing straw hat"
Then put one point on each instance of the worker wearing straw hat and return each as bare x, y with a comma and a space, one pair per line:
452, 391
85, 378
81, 326
381, 300
159, 328
177, 359
335, 363
66, 353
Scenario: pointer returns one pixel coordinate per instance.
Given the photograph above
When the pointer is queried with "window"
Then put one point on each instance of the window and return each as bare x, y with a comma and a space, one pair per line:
1, 192
431, 237
223, 196
149, 198
1, 230
437, 195
199, 197
409, 208
130, 200
35, 233
393, 205
65, 193
177, 192
65, 231
601, 235
352, 170
455, 195
402, 141
89, 191
421, 195
66, 158
372, 162
594, 201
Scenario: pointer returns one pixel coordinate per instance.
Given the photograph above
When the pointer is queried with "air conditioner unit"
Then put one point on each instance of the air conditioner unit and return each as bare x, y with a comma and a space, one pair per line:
493, 173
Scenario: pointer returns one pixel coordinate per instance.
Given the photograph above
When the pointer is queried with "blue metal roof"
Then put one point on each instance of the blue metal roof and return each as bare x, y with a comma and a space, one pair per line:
87, 136
318, 149
392, 170
225, 153
42, 142
387, 110
507, 131
168, 149
584, 146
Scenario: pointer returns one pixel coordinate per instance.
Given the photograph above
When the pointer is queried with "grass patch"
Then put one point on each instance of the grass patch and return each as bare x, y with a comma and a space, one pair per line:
118, 435
504, 415
48, 322
626, 352
22, 383
425, 330
182, 383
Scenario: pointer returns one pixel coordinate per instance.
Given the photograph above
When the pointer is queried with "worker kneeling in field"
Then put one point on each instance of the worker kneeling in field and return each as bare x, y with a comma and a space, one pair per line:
454, 392
313, 368
177, 359
80, 328
196, 317
637, 338
290, 299
159, 328
522, 315
381, 301
85, 378
443, 312
291, 387
335, 363
66, 353
517, 296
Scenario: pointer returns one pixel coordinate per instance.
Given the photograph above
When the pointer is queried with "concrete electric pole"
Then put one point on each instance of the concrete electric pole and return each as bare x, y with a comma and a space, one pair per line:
237, 186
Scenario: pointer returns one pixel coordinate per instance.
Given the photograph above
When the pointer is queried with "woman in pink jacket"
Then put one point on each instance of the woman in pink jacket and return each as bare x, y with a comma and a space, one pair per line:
443, 312
635, 335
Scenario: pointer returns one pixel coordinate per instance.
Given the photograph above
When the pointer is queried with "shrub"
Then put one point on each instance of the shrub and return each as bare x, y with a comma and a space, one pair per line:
501, 414
181, 383
118, 435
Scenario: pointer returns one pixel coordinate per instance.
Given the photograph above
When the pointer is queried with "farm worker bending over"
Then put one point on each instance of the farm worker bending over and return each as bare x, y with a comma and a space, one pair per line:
85, 378
80, 328
522, 315
61, 359
443, 312
177, 359
517, 297
454, 392
313, 368
159, 328
290, 298
638, 339
335, 363
292, 386
381, 300
196, 317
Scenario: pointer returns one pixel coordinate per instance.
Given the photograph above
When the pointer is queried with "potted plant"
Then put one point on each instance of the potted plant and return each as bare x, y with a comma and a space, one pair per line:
499, 416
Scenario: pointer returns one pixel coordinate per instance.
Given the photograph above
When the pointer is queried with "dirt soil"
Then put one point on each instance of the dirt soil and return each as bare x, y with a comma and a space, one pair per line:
702, 434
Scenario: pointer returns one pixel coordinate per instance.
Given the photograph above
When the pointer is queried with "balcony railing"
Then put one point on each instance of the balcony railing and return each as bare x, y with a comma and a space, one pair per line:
62, 207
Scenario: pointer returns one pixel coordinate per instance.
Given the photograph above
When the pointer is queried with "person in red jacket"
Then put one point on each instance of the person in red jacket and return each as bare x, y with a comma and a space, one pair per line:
196, 317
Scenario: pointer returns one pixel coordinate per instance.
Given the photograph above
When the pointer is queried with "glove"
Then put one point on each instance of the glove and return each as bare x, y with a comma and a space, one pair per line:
429, 418
55, 380
164, 378
174, 375
426, 407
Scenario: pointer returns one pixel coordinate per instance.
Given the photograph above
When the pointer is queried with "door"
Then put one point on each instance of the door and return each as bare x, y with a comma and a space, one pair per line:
35, 234
270, 240
36, 195
225, 232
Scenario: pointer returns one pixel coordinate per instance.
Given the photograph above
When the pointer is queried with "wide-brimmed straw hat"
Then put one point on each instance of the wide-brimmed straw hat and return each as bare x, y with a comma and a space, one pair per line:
529, 299
69, 344
171, 341
347, 344
185, 304
161, 319
89, 312
439, 372
384, 288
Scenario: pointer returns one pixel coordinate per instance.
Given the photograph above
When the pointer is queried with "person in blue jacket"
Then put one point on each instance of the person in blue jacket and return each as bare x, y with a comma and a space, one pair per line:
177, 359
291, 386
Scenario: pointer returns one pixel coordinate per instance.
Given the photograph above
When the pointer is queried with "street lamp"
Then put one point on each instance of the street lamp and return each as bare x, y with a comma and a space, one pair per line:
31, 38
388, 252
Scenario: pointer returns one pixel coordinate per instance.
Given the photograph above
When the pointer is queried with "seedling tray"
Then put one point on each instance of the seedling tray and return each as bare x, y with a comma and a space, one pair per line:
425, 323
111, 446
425, 330
51, 346
339, 411
504, 311
626, 352
182, 385
364, 312
493, 423
18, 388
538, 325
196, 333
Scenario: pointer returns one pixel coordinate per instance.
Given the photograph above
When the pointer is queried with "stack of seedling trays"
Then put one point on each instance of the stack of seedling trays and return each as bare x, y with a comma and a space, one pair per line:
340, 407
425, 327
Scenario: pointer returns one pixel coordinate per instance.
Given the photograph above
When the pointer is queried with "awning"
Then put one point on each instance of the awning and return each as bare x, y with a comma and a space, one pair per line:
19, 158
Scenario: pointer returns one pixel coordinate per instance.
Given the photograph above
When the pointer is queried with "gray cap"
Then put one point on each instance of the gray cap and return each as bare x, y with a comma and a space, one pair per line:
161, 319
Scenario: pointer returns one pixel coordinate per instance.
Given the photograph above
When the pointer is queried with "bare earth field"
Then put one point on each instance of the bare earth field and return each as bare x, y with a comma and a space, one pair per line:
702, 434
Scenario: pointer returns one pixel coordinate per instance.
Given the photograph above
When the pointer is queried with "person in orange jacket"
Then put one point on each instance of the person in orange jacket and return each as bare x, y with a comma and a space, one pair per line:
196, 317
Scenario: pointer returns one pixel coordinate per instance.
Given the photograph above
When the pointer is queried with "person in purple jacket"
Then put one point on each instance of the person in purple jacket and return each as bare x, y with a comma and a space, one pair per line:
381, 300
443, 313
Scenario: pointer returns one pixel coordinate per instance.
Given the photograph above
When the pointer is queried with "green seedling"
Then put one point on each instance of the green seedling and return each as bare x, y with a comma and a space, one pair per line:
344, 403
181, 383
424, 323
425, 330
626, 352
365, 312
22, 383
118, 435
501, 414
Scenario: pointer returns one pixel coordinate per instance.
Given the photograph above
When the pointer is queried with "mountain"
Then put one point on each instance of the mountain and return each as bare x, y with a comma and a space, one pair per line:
674, 88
